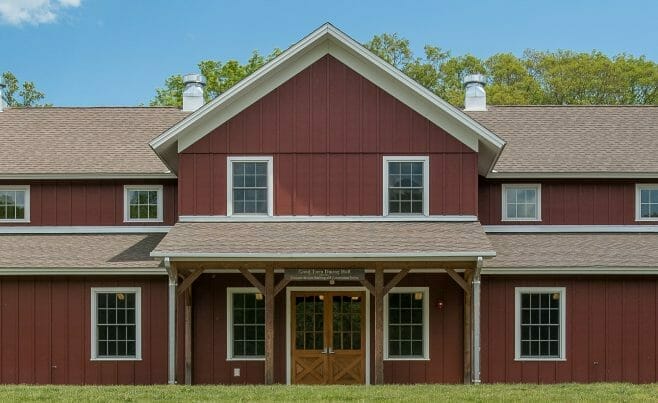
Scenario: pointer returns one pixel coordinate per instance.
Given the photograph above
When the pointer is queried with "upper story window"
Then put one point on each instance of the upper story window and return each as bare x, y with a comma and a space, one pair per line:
646, 202
250, 186
521, 202
142, 203
116, 323
14, 203
406, 185
406, 323
540, 323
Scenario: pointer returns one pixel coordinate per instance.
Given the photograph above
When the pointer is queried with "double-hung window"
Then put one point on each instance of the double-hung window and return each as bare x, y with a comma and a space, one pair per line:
246, 324
249, 186
116, 323
540, 323
406, 324
142, 203
521, 202
646, 202
14, 203
406, 185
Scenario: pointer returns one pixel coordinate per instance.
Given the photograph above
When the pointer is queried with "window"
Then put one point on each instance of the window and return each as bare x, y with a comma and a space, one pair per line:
143, 203
406, 327
14, 203
249, 185
406, 185
246, 324
116, 323
646, 202
522, 202
540, 323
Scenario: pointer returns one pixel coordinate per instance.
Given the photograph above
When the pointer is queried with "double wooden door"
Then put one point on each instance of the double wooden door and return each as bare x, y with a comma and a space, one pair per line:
328, 337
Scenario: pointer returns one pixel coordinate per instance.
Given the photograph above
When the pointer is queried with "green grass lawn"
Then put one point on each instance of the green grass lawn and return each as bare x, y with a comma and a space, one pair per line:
565, 392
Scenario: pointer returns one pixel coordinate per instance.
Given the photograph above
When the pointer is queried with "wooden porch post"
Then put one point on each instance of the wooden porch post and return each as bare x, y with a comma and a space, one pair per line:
188, 336
379, 326
468, 310
269, 325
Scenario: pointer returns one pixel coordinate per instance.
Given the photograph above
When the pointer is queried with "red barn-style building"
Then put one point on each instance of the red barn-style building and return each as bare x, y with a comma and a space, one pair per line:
328, 220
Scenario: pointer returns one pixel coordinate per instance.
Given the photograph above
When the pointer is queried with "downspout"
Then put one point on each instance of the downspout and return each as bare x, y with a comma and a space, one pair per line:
475, 373
173, 283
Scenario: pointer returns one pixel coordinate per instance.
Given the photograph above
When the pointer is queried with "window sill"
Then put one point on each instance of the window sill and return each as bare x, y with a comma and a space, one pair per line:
640, 219
115, 359
407, 359
521, 220
245, 359
14, 221
538, 359
143, 221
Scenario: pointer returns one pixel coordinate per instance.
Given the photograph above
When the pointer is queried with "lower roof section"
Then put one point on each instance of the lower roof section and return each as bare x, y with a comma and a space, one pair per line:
260, 241
71, 253
578, 252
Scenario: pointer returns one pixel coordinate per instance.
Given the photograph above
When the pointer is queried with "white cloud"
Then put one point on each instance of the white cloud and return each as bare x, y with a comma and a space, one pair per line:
19, 12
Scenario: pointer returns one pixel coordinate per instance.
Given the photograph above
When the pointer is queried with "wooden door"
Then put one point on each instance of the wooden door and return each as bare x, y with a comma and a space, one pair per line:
328, 337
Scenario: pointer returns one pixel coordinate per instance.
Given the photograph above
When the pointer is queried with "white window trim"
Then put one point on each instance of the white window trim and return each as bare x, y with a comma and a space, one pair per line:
26, 189
426, 182
517, 321
126, 207
536, 186
229, 322
426, 323
638, 200
270, 183
138, 322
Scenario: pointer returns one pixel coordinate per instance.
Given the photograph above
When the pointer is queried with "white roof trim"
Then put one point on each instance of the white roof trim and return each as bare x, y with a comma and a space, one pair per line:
73, 176
26, 229
326, 40
299, 218
80, 271
498, 229
572, 175
609, 271
438, 256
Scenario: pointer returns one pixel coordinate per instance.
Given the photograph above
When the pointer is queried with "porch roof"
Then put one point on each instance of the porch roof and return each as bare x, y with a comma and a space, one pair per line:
367, 240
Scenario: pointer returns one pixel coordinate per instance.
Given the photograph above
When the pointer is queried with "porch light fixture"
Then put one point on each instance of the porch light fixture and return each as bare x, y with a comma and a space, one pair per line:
259, 296
418, 296
556, 296
120, 296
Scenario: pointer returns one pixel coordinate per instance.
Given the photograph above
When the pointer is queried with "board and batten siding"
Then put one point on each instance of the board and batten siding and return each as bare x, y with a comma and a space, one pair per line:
567, 202
610, 331
328, 129
45, 329
82, 202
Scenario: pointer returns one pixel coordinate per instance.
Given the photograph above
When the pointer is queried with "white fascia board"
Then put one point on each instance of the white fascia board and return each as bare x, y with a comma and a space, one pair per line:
389, 218
26, 229
608, 271
339, 257
572, 175
79, 271
78, 176
533, 229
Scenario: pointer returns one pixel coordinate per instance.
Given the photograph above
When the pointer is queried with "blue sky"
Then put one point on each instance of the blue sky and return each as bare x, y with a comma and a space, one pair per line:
116, 52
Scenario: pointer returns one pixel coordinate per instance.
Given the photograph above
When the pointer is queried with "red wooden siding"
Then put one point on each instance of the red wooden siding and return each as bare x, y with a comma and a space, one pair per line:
568, 202
328, 128
89, 202
45, 332
610, 331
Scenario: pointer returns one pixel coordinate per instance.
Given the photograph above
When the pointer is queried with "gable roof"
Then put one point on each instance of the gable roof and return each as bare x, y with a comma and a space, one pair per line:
328, 40
70, 143
574, 141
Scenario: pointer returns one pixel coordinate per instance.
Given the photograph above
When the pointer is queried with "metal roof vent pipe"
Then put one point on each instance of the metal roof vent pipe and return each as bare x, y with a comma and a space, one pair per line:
2, 95
476, 97
193, 92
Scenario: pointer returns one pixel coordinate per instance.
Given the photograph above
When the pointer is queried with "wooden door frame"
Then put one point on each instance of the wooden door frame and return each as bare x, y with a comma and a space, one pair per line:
290, 290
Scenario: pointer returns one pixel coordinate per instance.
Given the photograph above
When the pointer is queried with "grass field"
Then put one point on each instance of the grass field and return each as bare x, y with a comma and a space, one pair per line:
566, 392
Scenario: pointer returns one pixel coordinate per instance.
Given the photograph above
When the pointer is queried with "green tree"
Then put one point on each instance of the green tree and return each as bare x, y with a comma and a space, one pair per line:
17, 94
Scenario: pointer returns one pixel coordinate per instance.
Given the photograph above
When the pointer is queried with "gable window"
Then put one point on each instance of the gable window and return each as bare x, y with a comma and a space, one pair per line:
521, 202
249, 186
14, 203
143, 203
116, 323
406, 327
246, 324
540, 323
646, 202
406, 185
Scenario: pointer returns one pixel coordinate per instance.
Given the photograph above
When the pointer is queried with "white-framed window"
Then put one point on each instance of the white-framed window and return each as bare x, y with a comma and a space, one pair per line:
245, 313
15, 203
406, 324
540, 323
116, 323
521, 202
142, 203
646, 202
406, 185
250, 186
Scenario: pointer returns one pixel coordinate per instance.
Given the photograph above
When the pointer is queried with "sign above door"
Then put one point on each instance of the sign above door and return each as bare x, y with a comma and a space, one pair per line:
325, 274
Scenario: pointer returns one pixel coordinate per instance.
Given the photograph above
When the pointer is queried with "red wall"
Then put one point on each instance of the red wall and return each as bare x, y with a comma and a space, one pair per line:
610, 325
88, 202
568, 202
45, 332
328, 128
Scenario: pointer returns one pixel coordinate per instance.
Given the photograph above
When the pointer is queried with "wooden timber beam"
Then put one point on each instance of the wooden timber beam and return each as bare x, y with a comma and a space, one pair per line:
253, 280
465, 285
368, 285
468, 329
187, 281
395, 280
269, 325
281, 285
188, 336
379, 327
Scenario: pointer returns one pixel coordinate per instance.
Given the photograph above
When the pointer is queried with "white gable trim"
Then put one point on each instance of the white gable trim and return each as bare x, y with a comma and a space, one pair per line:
327, 40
